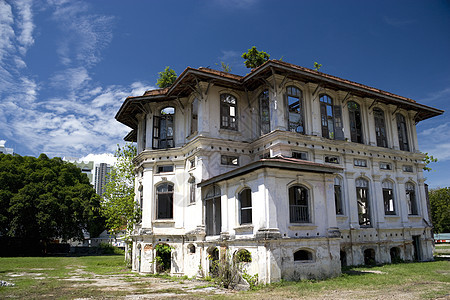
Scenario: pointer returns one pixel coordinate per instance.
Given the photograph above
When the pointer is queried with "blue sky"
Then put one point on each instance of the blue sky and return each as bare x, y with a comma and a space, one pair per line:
66, 66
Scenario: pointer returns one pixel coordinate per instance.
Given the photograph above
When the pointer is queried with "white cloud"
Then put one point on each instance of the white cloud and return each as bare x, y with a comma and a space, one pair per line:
71, 78
432, 97
100, 158
436, 141
25, 24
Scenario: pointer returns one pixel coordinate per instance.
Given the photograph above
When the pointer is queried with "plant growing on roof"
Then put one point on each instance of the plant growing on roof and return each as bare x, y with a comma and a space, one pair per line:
166, 78
254, 58
317, 66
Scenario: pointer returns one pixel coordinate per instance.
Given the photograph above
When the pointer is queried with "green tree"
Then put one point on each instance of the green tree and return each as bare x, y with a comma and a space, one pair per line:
254, 58
427, 160
317, 66
118, 205
43, 199
166, 78
440, 209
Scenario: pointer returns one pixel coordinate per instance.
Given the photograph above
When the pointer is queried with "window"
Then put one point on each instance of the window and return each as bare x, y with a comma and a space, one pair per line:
194, 116
360, 162
264, 109
192, 163
338, 196
164, 201
407, 168
243, 255
380, 128
362, 197
191, 249
144, 132
355, 122
402, 133
213, 213
331, 119
228, 112
411, 198
192, 188
388, 197
295, 109
229, 160
298, 205
332, 159
385, 166
245, 206
303, 255
300, 155
164, 169
163, 129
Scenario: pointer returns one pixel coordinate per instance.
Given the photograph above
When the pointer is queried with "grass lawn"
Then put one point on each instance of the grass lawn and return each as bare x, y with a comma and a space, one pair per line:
75, 277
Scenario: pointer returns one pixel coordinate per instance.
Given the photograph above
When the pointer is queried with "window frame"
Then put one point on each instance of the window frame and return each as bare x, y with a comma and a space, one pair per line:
227, 120
338, 196
293, 126
245, 210
170, 195
388, 197
356, 124
192, 189
380, 127
402, 130
164, 121
411, 199
194, 116
213, 222
363, 202
299, 213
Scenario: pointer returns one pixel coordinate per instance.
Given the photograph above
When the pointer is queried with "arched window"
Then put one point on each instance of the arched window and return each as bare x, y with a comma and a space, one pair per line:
164, 201
338, 196
295, 109
303, 255
388, 198
331, 118
243, 255
191, 248
298, 204
402, 133
228, 112
194, 116
163, 129
264, 110
192, 187
380, 127
213, 212
245, 206
411, 198
362, 197
354, 112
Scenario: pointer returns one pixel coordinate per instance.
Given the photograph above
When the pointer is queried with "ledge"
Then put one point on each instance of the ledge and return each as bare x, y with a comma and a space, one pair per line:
163, 223
244, 229
302, 226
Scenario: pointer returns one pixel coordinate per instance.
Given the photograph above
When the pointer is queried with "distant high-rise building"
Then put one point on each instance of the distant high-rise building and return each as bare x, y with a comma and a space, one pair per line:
101, 178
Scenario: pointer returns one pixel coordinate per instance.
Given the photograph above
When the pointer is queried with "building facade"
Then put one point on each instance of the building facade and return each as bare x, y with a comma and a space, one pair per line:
101, 177
301, 170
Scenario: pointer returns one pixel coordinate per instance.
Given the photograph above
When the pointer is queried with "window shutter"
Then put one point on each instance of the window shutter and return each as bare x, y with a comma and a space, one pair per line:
338, 128
324, 121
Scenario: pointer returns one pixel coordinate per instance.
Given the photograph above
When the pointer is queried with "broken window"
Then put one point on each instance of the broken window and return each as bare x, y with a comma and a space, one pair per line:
332, 159
163, 129
295, 109
298, 204
264, 109
354, 112
331, 118
402, 133
245, 206
300, 155
362, 197
164, 201
388, 197
380, 128
411, 198
229, 160
338, 196
213, 217
228, 112
303, 255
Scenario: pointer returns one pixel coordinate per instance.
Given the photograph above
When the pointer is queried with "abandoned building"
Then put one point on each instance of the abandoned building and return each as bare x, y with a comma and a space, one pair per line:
301, 171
